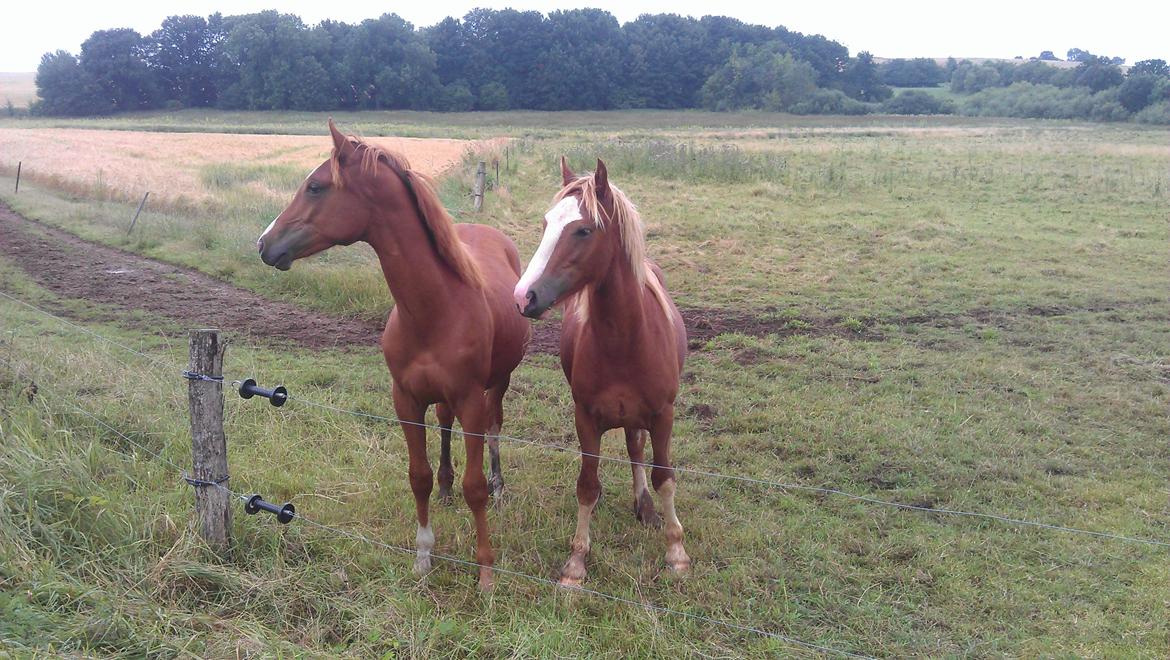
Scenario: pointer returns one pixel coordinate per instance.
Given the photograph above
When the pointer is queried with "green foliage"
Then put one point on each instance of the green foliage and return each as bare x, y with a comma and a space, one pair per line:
1045, 102
969, 78
1157, 113
1098, 74
493, 96
918, 72
116, 60
759, 78
65, 88
1150, 67
830, 102
914, 102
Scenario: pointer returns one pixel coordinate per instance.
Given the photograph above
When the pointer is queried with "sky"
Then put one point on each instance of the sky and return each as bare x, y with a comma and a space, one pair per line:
989, 28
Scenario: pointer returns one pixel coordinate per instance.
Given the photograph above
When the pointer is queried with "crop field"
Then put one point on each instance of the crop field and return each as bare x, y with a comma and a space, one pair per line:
947, 314
19, 89
190, 168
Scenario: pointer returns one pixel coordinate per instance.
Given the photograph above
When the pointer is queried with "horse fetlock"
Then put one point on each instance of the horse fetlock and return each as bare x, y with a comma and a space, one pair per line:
644, 510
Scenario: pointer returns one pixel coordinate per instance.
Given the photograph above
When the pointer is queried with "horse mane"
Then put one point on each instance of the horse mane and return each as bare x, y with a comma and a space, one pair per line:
437, 222
633, 234
624, 215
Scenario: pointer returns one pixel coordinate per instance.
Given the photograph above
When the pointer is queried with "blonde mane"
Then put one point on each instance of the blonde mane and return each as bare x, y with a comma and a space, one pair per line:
438, 223
625, 216
633, 234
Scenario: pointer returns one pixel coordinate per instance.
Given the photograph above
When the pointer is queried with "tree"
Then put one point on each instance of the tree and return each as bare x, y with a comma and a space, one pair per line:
1048, 56
116, 60
1137, 91
759, 77
1151, 67
1098, 73
65, 88
582, 62
862, 82
185, 53
969, 78
659, 69
1078, 55
918, 72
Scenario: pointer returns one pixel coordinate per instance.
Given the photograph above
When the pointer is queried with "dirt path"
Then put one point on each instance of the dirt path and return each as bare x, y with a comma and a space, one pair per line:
72, 267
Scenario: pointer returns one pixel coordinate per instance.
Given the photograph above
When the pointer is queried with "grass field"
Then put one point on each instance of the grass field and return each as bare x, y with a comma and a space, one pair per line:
1002, 288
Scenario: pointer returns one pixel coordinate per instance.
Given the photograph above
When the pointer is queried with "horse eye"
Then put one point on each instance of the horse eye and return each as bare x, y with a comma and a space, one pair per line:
583, 232
314, 188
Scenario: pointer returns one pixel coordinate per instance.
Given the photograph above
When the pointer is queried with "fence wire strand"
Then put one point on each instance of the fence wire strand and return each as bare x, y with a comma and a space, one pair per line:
730, 625
822, 490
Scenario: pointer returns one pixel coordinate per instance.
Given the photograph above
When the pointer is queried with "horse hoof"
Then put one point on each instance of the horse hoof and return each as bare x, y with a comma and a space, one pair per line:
496, 486
487, 580
678, 560
445, 495
644, 510
571, 583
422, 565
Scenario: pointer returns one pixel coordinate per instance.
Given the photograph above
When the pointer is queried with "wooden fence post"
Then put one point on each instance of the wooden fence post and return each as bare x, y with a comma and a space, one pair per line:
213, 509
140, 205
480, 182
18, 165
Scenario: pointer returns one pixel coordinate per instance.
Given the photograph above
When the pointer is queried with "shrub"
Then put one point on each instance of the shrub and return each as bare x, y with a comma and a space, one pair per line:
830, 102
914, 102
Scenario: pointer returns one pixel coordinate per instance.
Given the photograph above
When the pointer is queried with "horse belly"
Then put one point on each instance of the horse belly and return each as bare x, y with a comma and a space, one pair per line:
620, 406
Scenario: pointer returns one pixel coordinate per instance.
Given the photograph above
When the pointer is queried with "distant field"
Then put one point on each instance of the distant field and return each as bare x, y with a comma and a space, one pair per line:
189, 167
20, 88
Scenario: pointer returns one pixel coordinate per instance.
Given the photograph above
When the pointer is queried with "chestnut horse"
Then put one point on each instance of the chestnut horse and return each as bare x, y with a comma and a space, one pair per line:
453, 337
622, 345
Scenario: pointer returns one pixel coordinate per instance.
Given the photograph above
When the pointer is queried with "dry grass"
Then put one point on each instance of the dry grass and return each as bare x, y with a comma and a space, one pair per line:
126, 164
19, 88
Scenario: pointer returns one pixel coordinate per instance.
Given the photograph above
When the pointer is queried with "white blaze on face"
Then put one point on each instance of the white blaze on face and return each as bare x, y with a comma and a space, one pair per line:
557, 218
266, 230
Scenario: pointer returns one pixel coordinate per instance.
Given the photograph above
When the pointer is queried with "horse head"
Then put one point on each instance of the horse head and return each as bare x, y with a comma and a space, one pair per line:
323, 213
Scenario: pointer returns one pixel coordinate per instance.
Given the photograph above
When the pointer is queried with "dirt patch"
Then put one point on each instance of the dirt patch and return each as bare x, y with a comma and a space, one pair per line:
71, 267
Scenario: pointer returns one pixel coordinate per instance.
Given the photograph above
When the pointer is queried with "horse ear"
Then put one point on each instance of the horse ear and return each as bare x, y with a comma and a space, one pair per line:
601, 179
567, 175
341, 143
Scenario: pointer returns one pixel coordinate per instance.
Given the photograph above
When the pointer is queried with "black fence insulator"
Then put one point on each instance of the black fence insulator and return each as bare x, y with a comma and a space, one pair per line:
277, 396
283, 514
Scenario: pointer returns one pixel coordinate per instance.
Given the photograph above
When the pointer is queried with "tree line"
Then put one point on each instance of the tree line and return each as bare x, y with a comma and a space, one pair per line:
580, 59
488, 60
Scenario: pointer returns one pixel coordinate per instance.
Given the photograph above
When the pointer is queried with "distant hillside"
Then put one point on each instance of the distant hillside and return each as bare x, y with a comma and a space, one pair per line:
942, 61
19, 88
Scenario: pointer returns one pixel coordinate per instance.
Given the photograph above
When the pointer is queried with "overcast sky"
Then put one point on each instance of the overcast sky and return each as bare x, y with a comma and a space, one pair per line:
990, 28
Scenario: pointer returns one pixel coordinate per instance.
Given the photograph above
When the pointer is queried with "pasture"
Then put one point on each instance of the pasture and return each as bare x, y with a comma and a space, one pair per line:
952, 314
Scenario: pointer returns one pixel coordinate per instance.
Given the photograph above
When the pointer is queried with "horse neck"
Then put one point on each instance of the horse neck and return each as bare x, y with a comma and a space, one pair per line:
615, 301
419, 279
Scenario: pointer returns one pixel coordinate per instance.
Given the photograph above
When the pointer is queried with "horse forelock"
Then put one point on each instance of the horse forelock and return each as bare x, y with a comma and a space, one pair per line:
439, 224
624, 215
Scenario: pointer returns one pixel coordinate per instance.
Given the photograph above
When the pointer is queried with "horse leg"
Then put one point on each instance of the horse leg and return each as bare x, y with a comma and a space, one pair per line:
473, 417
446, 470
643, 503
663, 478
588, 491
409, 410
496, 422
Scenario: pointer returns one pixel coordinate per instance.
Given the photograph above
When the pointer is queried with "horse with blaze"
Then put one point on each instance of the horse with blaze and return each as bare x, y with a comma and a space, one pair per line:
622, 345
453, 337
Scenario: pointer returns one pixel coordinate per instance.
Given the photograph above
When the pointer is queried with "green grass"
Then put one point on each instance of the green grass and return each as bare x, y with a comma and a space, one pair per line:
1000, 295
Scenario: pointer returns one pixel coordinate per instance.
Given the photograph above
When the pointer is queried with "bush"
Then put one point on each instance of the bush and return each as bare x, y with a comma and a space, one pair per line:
1158, 113
1045, 102
914, 102
830, 102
